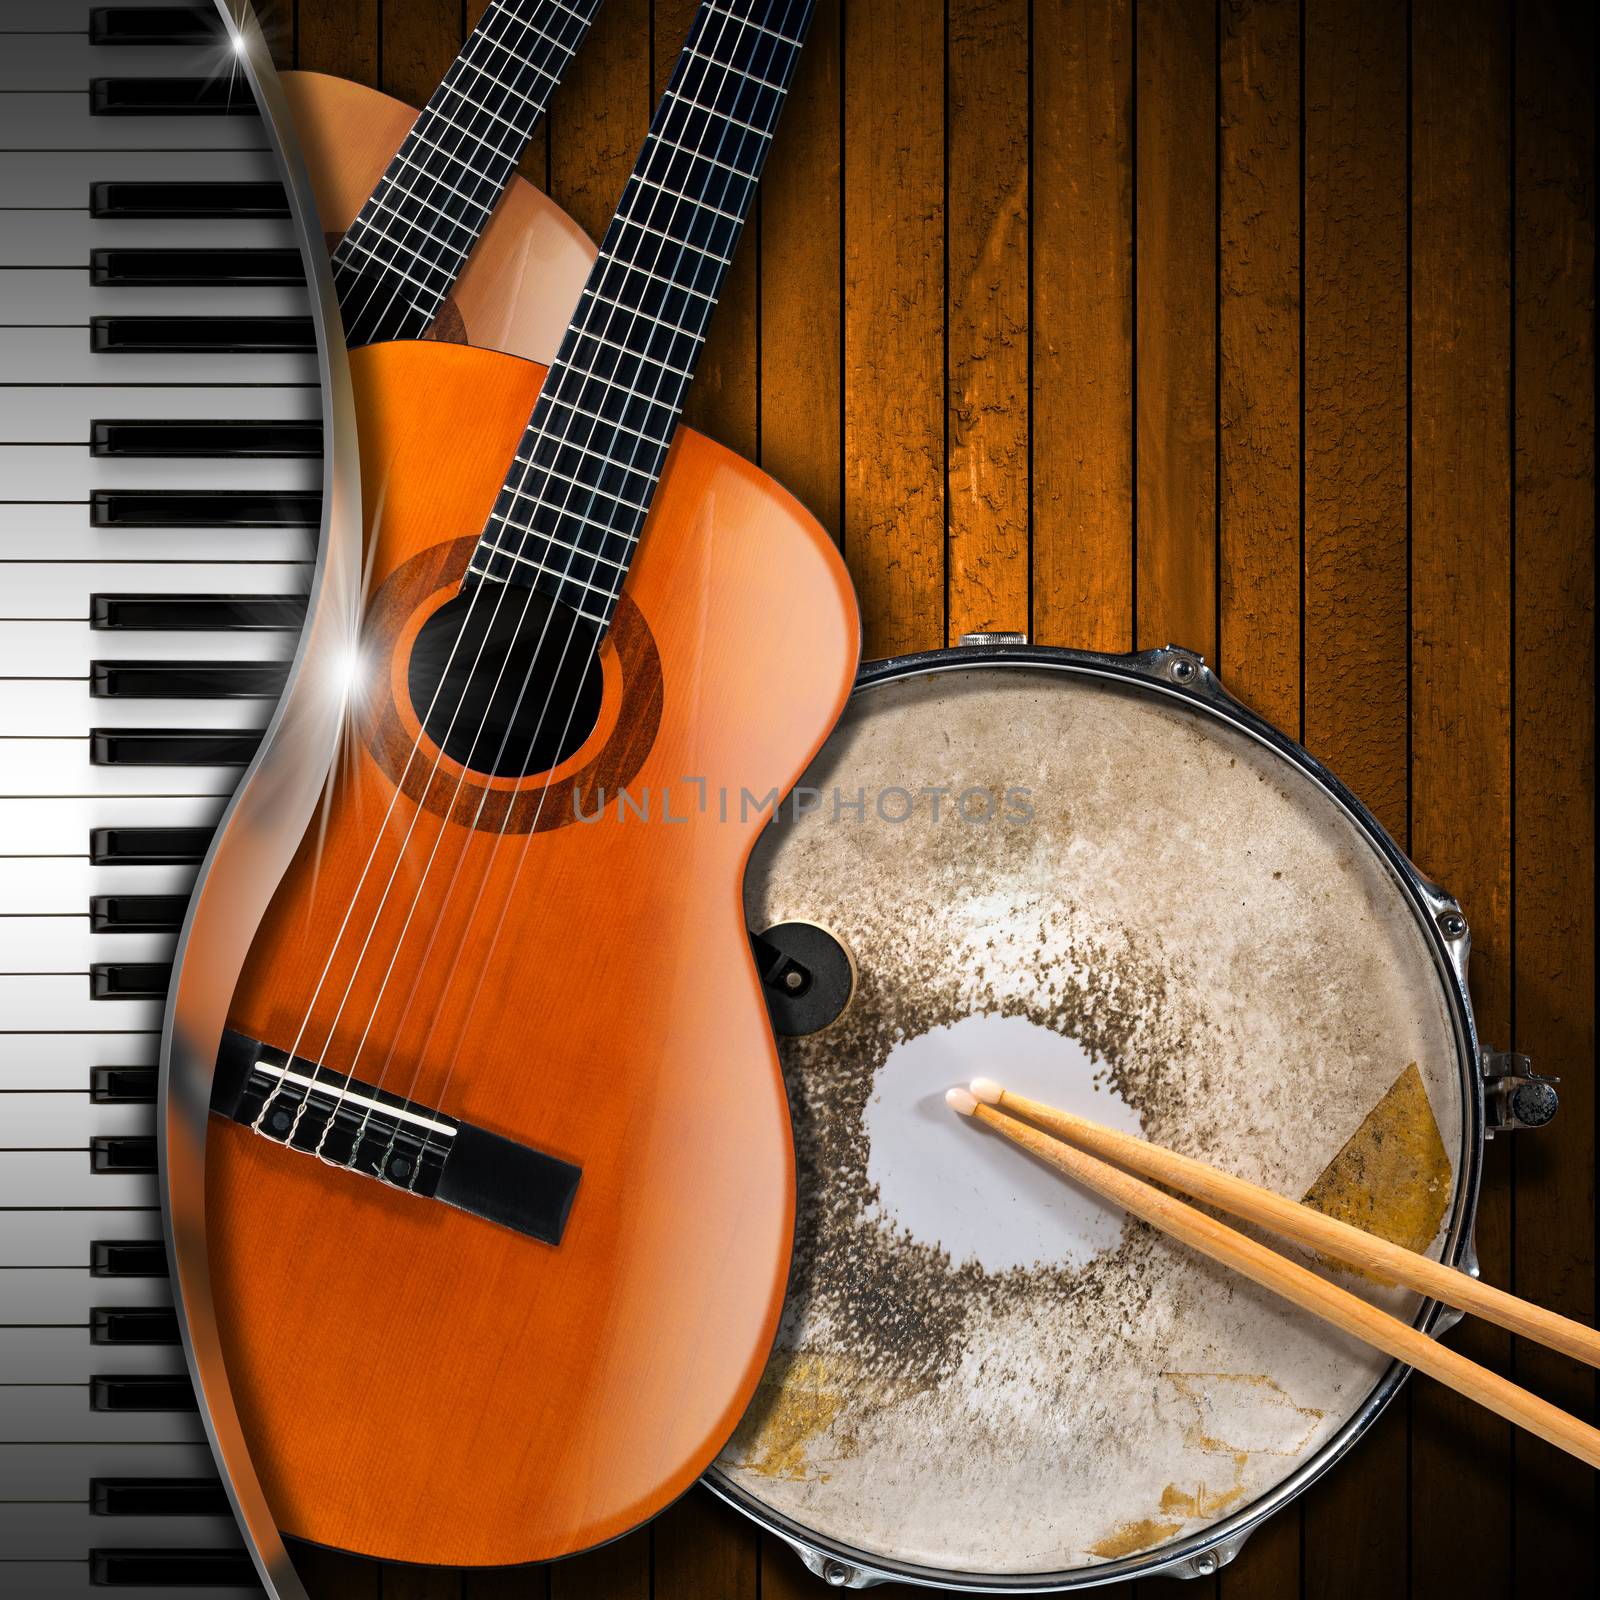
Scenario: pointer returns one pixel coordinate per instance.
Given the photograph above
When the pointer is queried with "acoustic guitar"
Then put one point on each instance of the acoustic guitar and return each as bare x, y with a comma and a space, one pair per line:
433, 233
500, 1187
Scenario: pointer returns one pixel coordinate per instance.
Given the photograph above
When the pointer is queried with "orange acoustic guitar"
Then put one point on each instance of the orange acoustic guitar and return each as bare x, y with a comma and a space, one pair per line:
499, 1185
433, 233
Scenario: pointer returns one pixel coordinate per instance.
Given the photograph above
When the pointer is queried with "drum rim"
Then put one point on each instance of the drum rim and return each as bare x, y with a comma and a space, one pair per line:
1183, 677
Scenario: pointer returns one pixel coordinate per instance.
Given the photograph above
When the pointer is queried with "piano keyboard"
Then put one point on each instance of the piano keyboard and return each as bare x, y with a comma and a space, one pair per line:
160, 435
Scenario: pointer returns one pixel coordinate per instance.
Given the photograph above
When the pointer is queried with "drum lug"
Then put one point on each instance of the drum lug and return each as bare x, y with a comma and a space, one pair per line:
970, 640
835, 1573
1210, 1562
1514, 1095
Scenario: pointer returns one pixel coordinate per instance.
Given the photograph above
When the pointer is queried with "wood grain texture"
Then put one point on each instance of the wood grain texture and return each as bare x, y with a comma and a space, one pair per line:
852, 220
1175, 231
894, 243
1553, 800
1082, 268
986, 378
1461, 674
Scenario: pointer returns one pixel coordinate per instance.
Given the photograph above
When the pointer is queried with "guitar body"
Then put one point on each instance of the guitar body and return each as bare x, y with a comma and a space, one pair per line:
418, 1383
522, 280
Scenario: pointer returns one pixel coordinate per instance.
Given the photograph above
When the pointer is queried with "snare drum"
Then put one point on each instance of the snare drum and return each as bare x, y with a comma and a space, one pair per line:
1104, 882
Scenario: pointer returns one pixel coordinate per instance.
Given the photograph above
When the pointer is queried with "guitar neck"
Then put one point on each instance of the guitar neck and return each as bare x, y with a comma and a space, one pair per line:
401, 257
569, 516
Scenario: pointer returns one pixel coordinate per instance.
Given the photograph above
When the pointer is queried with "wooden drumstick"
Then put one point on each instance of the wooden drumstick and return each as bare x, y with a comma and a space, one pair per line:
1295, 1283
1380, 1257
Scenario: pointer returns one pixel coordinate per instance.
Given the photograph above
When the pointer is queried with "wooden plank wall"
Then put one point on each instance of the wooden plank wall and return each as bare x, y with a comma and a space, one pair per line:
1262, 326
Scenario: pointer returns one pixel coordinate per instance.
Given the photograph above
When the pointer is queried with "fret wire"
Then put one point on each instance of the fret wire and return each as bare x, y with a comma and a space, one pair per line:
592, 488
471, 171
480, 106
411, 222
748, 22
656, 277
560, 577
619, 221
390, 266
366, 244
649, 316
482, 139
711, 111
663, 142
566, 512
532, 28
536, 106
586, 615
532, 461
434, 177
576, 549
728, 66
638, 355
678, 194
597, 416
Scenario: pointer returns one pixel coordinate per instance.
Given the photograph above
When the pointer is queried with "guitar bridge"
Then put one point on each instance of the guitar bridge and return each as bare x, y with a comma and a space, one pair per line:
376, 1134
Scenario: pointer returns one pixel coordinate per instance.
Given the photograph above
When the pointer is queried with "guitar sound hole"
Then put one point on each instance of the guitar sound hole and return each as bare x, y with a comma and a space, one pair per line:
522, 688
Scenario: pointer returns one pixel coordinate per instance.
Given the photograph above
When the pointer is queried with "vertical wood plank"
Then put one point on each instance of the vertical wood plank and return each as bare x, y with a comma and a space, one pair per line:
1175, 223
894, 321
1356, 625
1554, 1522
616, 1571
723, 397
704, 1550
505, 1583
1082, 273
1461, 1493
331, 1575
599, 117
420, 1583
339, 37
798, 220
1259, 195
986, 140
419, 43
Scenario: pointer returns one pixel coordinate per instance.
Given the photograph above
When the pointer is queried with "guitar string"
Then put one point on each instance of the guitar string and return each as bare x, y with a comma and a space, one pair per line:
456, 143
634, 316
377, 842
742, 138
501, 591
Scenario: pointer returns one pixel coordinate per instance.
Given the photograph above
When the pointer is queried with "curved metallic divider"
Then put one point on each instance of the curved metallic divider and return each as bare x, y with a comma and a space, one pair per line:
260, 830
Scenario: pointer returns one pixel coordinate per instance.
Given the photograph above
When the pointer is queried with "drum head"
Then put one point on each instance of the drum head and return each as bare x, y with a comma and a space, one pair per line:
1128, 906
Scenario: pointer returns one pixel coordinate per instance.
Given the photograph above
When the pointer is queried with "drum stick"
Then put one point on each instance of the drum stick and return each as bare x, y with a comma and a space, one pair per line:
1240, 1198
1295, 1283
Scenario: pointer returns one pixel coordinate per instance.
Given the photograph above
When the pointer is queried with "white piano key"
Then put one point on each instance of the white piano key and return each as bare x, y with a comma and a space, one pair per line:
38, 1003
67, 61
66, 1238
53, 1413
41, 238
67, 648
27, 529
46, 296
47, 707
44, 178
63, 1472
66, 122
64, 1532
63, 355
61, 589
56, 1121
41, 1059
63, 1296
67, 472
61, 828
42, 1178
54, 886
65, 944
30, 414
62, 766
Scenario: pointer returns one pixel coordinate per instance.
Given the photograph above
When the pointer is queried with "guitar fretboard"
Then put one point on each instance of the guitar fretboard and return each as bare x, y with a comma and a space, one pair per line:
402, 255
574, 503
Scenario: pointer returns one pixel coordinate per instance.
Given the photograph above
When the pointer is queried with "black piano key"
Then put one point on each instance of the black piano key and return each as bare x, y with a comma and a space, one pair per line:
143, 1392
122, 1153
122, 1086
157, 1571
187, 680
118, 268
157, 1497
188, 335
109, 847
203, 508
133, 1325
171, 747
155, 25
129, 980
199, 439
144, 199
225, 95
137, 913
211, 613
127, 1258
